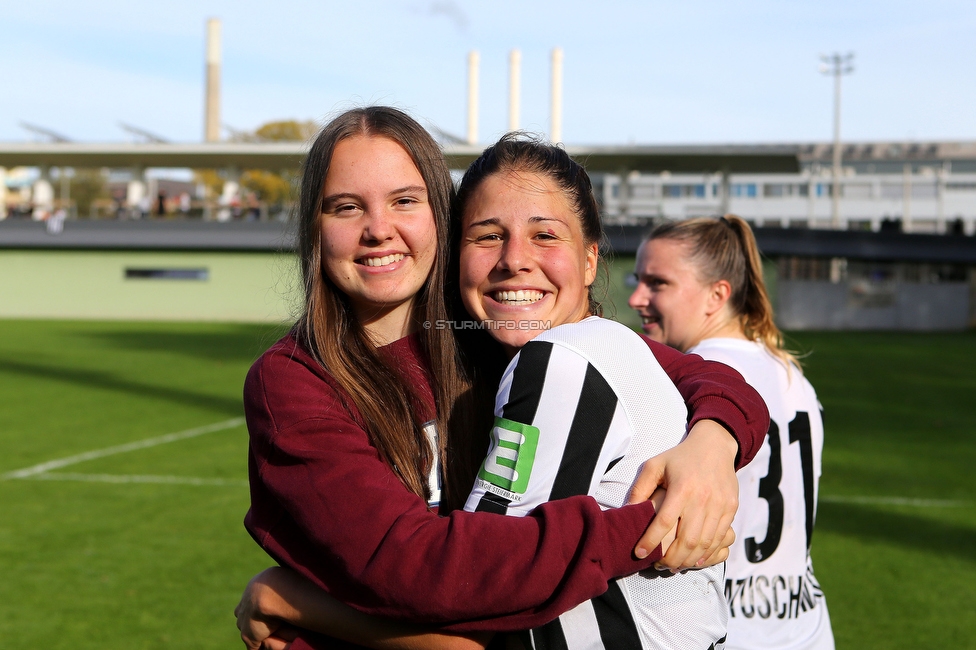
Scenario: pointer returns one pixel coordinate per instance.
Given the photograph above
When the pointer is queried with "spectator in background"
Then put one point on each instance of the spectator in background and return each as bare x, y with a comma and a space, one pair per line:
185, 203
55, 223
144, 206
118, 201
253, 207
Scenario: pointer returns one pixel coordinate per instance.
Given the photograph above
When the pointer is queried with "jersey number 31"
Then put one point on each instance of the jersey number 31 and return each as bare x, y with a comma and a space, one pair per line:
799, 430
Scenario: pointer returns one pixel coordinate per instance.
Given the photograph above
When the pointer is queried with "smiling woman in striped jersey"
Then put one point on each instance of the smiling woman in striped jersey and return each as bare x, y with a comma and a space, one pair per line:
583, 401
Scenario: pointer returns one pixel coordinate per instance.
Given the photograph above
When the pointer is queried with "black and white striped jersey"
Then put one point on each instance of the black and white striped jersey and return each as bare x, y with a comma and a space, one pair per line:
775, 601
579, 409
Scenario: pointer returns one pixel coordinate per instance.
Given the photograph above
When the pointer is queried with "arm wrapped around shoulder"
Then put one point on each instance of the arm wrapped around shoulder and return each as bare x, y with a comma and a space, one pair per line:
714, 391
325, 504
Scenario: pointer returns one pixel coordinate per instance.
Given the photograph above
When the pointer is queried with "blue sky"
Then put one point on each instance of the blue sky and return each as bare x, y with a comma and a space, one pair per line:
635, 72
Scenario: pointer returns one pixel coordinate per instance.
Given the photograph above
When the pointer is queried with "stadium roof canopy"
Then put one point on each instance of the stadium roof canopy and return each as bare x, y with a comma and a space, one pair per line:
243, 155
687, 159
288, 155
691, 159
186, 235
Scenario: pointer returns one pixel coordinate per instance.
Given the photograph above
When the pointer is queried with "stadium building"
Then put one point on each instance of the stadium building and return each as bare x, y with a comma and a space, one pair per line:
912, 187
900, 255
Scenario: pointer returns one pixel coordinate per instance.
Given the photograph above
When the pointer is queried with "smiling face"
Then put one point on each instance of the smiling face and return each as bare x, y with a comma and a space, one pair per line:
676, 308
524, 262
379, 238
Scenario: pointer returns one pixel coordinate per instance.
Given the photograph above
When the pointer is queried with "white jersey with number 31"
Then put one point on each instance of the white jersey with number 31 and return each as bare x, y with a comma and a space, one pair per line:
775, 602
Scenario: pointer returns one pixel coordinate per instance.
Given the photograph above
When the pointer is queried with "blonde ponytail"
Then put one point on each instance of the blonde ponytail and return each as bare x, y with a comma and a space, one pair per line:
725, 249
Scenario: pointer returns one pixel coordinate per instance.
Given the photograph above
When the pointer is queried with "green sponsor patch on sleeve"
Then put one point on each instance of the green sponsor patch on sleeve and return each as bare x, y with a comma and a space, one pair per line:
512, 454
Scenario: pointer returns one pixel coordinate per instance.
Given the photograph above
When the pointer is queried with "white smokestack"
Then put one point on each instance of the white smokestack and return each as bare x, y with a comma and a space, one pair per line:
514, 88
3, 193
473, 60
211, 125
556, 117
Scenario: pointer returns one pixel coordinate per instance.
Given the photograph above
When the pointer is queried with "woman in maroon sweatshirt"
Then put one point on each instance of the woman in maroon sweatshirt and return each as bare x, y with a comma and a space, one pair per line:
366, 418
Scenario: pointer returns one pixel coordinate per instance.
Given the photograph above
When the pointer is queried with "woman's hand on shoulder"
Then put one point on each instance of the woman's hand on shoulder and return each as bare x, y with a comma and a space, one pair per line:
702, 497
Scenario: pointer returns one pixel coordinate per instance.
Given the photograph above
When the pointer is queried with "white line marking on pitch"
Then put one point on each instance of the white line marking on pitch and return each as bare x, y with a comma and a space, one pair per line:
134, 478
29, 472
897, 501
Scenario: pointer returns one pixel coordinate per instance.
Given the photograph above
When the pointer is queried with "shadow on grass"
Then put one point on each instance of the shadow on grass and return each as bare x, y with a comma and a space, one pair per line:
923, 535
231, 343
106, 381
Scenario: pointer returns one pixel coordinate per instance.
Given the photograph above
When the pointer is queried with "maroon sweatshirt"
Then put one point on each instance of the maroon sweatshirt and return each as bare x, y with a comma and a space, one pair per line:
326, 505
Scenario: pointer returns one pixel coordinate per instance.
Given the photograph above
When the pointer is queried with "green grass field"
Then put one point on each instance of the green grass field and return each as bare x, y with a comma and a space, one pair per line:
123, 565
899, 422
145, 548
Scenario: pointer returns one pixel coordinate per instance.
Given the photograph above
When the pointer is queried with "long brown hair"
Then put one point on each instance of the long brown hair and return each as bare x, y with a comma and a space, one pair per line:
725, 249
337, 339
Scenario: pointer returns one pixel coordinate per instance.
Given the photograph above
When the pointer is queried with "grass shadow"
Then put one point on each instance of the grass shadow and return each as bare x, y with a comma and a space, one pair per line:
107, 381
921, 535
231, 343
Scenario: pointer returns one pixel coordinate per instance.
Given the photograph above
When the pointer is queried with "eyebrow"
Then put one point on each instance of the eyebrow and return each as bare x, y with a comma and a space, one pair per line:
332, 198
409, 188
649, 276
538, 219
494, 221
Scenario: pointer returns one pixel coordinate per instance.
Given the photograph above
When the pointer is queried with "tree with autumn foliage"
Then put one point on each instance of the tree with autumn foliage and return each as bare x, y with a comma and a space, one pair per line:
270, 187
287, 131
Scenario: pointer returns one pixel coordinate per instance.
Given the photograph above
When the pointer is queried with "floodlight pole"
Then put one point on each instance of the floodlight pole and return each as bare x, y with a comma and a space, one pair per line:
836, 65
473, 62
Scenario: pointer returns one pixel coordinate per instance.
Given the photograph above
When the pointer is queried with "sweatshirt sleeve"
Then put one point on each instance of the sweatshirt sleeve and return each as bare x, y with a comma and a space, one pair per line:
325, 504
714, 391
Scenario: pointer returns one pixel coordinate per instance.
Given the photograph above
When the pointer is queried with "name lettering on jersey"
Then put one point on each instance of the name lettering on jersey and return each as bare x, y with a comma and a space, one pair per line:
772, 596
510, 458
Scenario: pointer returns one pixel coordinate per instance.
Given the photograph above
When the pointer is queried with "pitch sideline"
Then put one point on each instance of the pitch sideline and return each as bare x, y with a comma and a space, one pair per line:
42, 468
138, 478
42, 471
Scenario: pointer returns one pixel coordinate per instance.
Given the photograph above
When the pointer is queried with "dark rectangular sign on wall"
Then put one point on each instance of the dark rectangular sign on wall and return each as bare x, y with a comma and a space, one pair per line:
167, 274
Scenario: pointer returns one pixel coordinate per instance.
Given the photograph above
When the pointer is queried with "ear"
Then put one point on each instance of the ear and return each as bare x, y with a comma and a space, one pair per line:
718, 296
592, 261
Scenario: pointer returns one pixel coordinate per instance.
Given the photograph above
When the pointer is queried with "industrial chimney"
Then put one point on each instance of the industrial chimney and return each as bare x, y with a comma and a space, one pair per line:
514, 88
556, 108
211, 118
